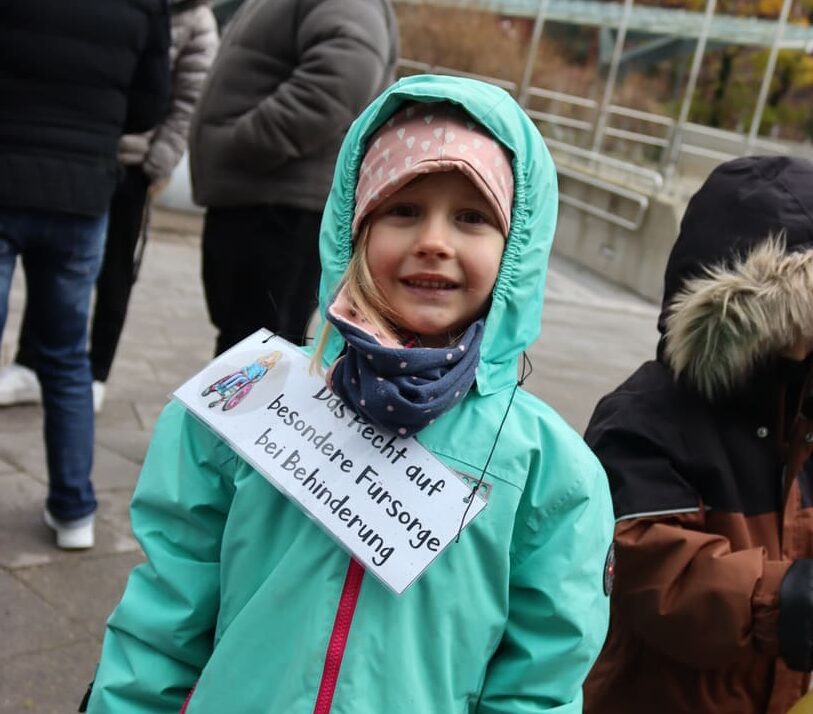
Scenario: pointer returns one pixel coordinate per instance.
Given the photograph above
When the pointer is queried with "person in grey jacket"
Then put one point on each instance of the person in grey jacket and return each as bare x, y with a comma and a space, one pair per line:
290, 77
146, 161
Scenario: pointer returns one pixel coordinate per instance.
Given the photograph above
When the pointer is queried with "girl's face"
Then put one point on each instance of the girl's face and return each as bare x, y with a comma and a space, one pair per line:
434, 252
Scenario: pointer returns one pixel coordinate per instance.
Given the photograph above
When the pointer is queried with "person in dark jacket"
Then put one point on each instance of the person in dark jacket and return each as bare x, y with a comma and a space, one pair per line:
289, 78
707, 449
146, 161
73, 76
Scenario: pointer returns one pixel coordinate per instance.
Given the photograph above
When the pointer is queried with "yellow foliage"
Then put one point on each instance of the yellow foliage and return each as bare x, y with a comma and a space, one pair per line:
798, 66
804, 705
768, 8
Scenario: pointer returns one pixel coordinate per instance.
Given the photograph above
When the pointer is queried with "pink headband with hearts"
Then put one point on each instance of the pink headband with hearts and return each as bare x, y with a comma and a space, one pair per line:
428, 138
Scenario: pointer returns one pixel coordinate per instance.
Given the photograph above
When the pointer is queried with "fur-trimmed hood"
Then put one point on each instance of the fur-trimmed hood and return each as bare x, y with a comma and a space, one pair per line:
724, 323
739, 281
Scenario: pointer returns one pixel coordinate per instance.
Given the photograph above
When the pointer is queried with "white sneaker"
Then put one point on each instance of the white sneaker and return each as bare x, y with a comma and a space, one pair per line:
98, 396
71, 535
19, 385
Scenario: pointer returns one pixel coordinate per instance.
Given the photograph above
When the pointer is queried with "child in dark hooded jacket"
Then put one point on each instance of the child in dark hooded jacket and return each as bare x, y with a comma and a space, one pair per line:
708, 453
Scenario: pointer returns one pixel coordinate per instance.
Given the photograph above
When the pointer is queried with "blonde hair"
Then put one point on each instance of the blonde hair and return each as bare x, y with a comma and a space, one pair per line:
363, 292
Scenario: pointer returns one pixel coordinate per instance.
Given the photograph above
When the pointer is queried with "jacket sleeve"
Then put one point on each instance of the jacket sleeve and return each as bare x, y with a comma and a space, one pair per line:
344, 48
686, 594
192, 62
680, 587
558, 609
149, 91
160, 635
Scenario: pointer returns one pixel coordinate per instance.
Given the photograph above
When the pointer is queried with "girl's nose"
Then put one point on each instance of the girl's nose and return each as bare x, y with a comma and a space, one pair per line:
433, 237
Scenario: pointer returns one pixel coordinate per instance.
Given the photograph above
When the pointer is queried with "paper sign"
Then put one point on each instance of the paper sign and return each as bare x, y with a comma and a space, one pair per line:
386, 499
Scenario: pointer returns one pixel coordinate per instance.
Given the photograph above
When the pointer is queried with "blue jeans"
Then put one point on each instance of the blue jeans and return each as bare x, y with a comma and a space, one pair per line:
61, 255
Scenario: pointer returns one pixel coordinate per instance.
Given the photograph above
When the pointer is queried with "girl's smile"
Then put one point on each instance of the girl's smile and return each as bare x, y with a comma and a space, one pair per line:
435, 249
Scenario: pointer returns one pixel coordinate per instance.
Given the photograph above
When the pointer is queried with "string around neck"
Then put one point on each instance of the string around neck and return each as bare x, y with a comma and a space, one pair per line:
526, 370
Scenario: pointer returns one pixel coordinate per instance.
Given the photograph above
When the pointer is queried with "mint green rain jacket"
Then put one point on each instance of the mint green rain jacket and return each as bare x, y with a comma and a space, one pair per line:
240, 594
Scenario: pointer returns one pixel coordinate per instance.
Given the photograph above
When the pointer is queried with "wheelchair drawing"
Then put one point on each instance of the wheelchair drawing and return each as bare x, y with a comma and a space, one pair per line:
235, 387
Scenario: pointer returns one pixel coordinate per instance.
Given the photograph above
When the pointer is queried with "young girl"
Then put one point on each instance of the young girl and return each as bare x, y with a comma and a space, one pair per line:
434, 246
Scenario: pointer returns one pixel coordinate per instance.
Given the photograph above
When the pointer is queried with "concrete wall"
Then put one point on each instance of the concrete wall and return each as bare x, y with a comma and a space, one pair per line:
634, 259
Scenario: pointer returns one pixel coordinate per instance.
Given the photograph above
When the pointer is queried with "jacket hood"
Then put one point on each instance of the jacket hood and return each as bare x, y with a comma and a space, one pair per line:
739, 281
513, 320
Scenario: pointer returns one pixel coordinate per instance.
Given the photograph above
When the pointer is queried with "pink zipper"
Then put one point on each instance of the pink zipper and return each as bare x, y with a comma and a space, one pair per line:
338, 638
186, 702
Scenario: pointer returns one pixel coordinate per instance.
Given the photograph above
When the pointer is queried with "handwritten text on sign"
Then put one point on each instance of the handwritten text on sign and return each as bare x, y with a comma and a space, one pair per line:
388, 500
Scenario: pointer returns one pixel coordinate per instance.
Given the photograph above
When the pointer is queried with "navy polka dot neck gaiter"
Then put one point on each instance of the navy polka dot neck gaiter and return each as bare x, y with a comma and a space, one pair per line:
402, 390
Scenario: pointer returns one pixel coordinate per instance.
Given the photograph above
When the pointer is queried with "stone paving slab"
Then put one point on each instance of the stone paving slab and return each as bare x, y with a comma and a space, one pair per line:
66, 586
114, 510
24, 449
53, 605
130, 444
25, 540
6, 468
30, 623
49, 681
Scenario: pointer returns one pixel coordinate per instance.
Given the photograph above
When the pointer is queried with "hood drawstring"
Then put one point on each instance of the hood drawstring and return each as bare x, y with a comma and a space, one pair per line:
526, 371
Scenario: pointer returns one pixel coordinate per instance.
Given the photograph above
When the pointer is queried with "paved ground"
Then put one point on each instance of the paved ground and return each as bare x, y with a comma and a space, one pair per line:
53, 605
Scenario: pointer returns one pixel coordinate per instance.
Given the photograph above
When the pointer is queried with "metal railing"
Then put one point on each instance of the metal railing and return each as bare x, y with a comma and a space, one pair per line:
648, 19
640, 200
588, 122
575, 122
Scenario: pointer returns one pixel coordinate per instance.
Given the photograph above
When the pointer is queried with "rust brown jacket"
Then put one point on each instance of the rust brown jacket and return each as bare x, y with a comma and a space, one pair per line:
707, 451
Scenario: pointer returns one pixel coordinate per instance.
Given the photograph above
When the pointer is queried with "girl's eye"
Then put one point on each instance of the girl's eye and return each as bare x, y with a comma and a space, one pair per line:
403, 210
472, 217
